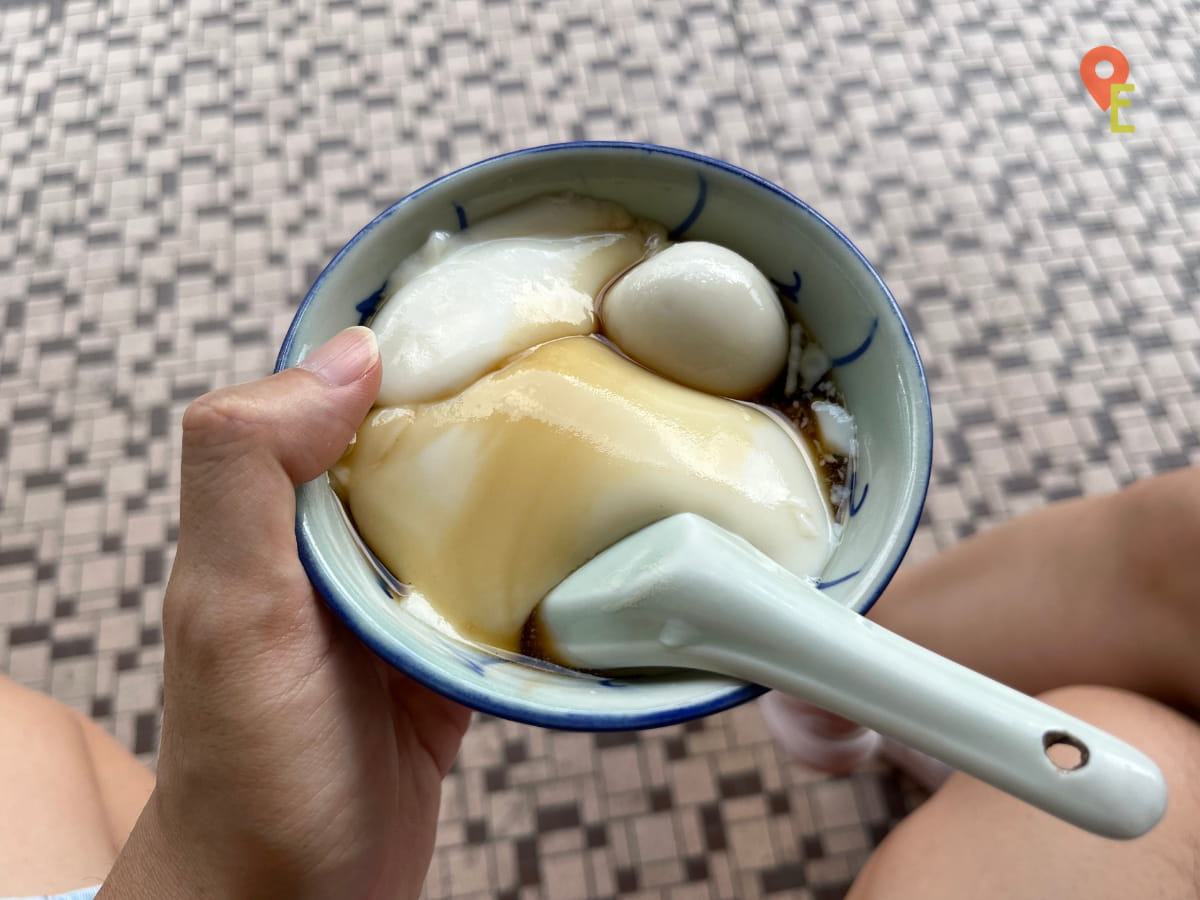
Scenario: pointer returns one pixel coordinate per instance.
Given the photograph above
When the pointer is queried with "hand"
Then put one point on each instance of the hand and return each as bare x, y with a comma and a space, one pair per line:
293, 762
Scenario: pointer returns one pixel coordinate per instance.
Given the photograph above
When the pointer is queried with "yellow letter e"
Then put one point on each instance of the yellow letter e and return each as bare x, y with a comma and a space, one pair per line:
1115, 102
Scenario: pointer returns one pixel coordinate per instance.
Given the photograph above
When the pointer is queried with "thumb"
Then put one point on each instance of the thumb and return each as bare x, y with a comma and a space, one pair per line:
246, 447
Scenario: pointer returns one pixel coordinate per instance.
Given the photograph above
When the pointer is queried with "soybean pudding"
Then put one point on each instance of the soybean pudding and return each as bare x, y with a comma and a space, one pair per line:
561, 376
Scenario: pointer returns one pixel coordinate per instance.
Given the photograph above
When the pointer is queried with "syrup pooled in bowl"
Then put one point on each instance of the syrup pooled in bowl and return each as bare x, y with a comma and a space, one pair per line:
516, 436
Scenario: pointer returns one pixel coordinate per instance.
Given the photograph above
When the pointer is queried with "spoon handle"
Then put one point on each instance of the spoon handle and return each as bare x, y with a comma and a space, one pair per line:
830, 656
731, 611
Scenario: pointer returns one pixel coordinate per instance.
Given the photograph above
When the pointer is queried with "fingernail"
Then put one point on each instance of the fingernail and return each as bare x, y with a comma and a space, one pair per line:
345, 357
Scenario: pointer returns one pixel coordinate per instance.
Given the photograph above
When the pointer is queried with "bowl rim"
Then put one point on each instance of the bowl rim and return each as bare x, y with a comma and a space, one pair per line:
549, 717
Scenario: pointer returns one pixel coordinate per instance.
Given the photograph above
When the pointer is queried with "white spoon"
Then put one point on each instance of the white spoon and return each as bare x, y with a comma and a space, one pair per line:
685, 593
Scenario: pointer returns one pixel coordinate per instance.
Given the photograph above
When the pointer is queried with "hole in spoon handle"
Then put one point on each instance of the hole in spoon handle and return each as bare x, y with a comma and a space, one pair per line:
1067, 752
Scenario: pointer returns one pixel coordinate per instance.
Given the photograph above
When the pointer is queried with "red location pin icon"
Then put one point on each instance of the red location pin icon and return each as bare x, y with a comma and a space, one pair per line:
1097, 86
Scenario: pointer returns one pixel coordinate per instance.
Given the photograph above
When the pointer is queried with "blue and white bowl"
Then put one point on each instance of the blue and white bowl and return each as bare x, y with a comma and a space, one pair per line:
841, 300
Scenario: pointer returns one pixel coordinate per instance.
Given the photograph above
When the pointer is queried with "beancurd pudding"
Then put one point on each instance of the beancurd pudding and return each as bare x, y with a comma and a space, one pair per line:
466, 302
560, 376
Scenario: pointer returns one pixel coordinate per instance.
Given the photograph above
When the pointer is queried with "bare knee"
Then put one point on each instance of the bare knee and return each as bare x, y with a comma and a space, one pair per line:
61, 839
38, 732
971, 840
43, 731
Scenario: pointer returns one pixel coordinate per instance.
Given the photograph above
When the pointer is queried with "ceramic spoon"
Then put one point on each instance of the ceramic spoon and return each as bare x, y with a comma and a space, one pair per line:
685, 593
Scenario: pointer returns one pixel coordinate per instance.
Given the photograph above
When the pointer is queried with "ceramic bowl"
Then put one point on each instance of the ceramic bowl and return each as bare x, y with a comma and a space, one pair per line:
826, 282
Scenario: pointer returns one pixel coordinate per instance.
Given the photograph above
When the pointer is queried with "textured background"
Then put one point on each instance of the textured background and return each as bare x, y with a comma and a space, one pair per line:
172, 176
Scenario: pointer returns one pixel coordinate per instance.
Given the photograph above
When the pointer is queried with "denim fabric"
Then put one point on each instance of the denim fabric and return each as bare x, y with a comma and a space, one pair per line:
87, 893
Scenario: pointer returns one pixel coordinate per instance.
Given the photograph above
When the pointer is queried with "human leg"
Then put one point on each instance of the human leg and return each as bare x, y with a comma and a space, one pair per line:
1099, 590
54, 834
971, 840
56, 828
